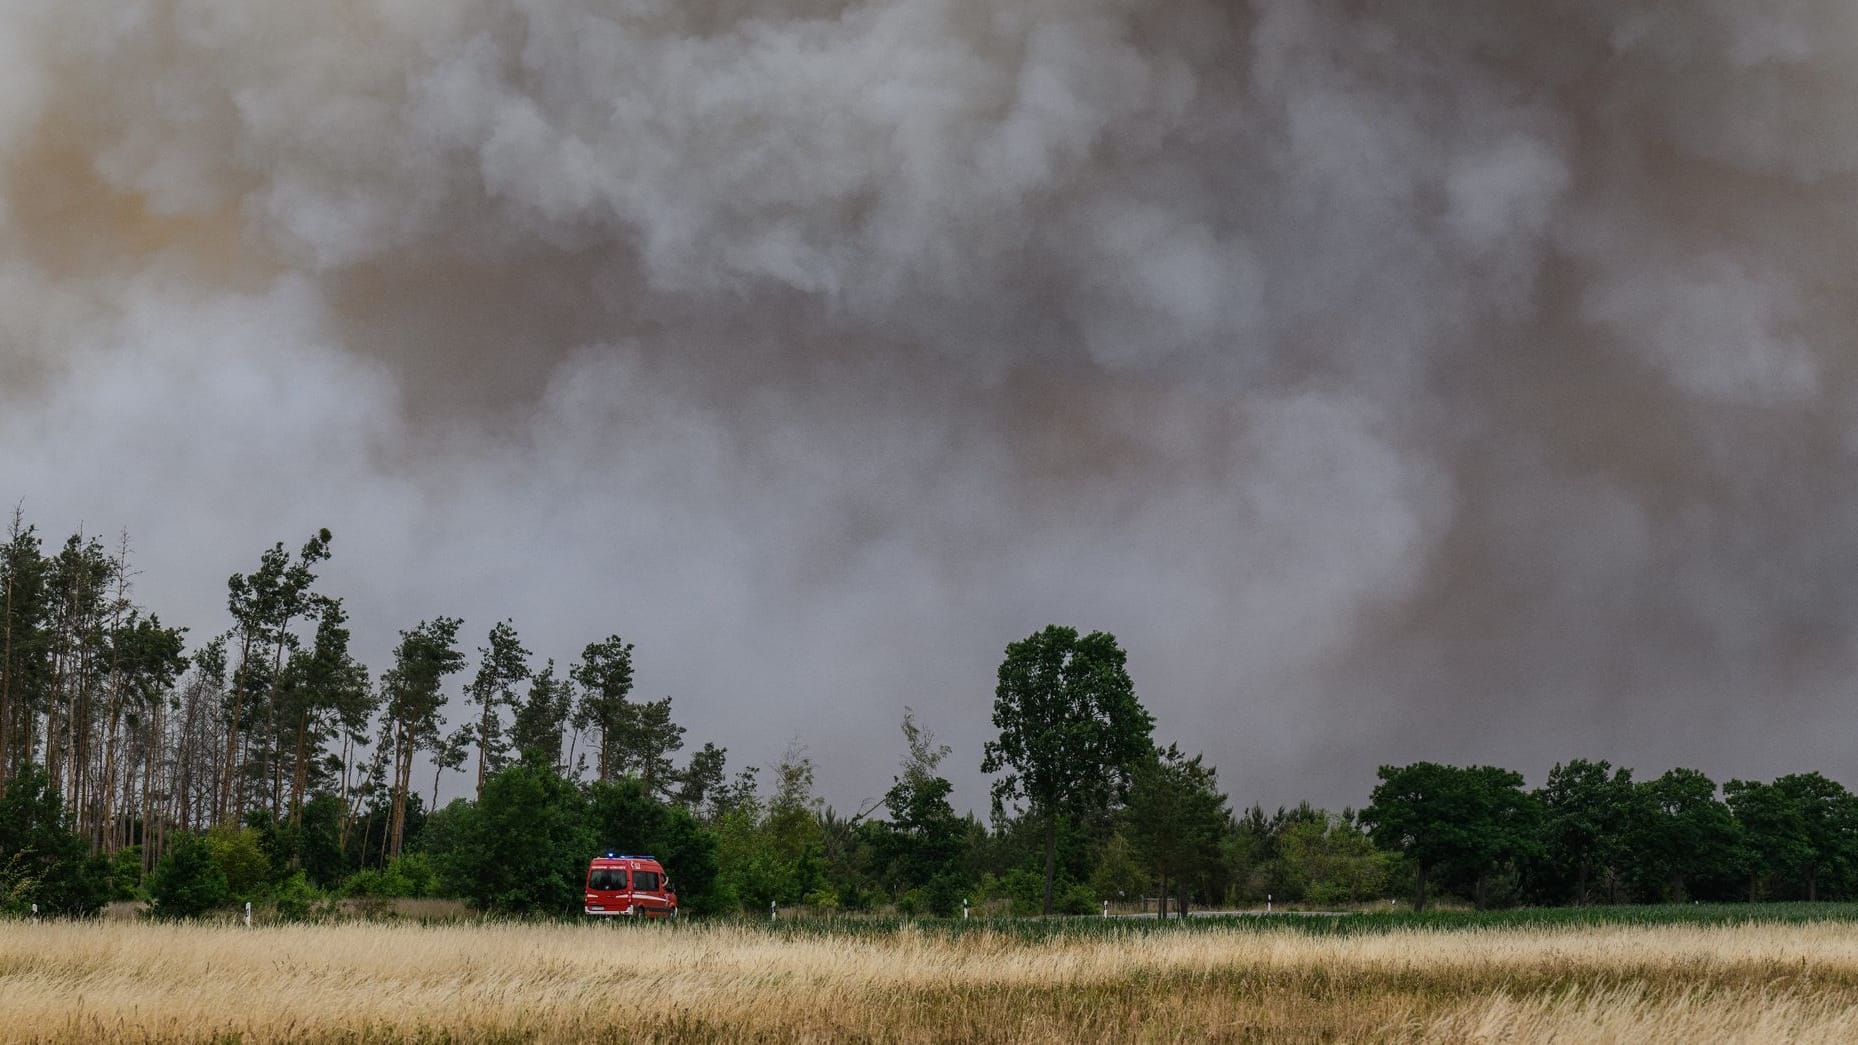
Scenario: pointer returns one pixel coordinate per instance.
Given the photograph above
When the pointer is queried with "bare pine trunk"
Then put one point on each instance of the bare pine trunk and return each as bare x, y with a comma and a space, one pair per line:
74, 770
123, 828
232, 733
54, 758
483, 740
348, 748
184, 770
277, 767
78, 734
106, 777
149, 764
403, 778
108, 783
387, 829
6, 674
300, 779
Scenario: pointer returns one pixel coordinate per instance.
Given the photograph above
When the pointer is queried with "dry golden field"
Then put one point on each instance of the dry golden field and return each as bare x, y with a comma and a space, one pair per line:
139, 981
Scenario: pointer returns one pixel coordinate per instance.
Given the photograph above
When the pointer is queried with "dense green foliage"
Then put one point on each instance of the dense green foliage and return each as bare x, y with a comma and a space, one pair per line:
1072, 732
1463, 824
1176, 818
41, 861
522, 846
268, 765
189, 881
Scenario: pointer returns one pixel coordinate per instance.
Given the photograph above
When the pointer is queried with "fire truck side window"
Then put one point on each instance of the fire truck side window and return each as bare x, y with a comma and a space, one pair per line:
605, 878
645, 881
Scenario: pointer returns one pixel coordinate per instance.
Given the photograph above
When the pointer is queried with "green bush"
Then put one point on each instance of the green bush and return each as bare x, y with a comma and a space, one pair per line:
523, 848
407, 876
1026, 889
1327, 894
854, 898
280, 842
416, 870
242, 860
758, 878
987, 890
188, 882
15, 886
1118, 876
41, 861
373, 883
722, 898
319, 836
297, 900
126, 873
1076, 898
943, 895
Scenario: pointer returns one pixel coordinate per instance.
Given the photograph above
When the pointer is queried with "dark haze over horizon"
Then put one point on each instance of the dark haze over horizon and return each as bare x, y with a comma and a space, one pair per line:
1455, 380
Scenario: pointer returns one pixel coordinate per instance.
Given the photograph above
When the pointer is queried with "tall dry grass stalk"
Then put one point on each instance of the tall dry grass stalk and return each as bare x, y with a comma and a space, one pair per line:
141, 982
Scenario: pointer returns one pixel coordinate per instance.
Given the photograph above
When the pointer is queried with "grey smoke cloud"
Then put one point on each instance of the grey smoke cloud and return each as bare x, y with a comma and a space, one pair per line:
1463, 381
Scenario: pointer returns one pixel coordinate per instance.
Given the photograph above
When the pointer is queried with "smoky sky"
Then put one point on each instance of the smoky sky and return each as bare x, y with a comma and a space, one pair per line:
1456, 380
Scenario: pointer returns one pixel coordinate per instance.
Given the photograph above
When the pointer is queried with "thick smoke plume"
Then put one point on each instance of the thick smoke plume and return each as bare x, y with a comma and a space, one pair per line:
1464, 380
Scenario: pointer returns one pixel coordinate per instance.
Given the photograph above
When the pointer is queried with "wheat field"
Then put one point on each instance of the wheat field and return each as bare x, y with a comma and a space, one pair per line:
101, 981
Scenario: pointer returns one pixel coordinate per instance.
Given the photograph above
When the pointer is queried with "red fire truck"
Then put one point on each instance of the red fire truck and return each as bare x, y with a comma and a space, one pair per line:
626, 886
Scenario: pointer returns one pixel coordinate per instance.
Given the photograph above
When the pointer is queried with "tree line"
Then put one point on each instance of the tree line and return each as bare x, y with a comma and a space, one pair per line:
266, 763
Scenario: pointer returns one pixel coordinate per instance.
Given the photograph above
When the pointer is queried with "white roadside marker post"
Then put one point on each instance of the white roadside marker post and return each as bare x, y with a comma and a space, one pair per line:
1106, 908
964, 908
35, 912
771, 915
1267, 903
248, 914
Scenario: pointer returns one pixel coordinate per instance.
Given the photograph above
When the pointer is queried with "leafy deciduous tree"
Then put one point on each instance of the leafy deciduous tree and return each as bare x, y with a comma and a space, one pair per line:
1684, 838
1071, 729
1330, 861
1461, 821
1587, 813
1802, 827
524, 846
188, 882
